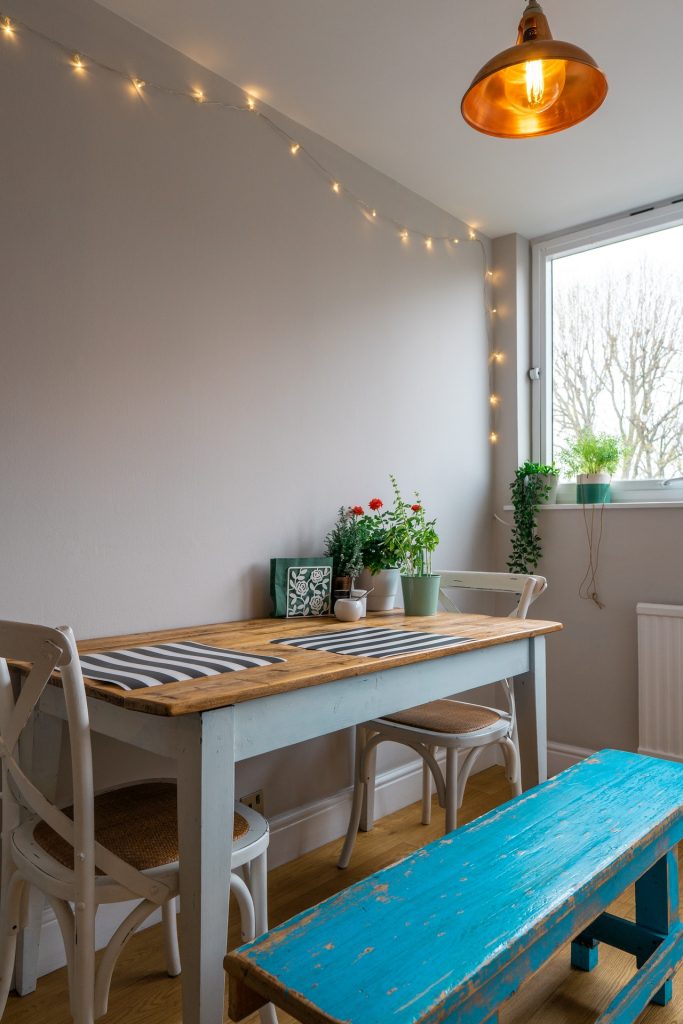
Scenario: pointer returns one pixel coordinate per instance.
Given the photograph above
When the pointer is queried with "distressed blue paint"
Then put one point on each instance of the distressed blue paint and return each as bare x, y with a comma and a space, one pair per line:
584, 955
633, 938
456, 927
634, 997
657, 908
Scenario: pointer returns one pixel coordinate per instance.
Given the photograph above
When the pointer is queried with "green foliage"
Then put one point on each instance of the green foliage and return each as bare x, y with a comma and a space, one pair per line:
343, 545
528, 490
412, 538
376, 531
593, 453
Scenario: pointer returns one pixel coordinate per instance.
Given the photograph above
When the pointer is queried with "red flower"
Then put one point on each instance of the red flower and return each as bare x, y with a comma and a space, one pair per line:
416, 508
358, 510
375, 503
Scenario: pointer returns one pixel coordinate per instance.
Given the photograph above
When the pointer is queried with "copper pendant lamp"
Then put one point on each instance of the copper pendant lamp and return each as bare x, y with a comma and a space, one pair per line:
536, 87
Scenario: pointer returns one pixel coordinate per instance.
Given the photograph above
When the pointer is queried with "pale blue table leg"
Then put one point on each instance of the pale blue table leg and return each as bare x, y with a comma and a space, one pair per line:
205, 824
530, 700
657, 908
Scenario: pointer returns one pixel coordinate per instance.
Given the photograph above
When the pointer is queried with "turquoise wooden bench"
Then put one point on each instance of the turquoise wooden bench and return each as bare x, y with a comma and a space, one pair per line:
449, 933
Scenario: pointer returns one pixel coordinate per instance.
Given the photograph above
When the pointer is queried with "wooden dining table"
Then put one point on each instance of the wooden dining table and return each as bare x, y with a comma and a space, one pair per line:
207, 725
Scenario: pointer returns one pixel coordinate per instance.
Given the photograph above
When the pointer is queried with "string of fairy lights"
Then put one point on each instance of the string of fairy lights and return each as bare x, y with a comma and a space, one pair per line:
81, 63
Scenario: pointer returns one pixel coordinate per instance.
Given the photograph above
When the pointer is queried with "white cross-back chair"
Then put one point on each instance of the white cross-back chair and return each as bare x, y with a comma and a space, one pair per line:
59, 853
461, 728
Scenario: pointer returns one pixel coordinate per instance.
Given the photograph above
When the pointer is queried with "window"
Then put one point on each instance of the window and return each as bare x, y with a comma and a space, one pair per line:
608, 337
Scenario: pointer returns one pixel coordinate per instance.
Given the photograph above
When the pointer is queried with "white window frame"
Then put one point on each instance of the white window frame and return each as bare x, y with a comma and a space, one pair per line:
656, 217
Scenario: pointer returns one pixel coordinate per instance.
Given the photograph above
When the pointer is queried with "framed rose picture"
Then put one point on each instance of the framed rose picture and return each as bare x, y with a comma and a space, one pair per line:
301, 586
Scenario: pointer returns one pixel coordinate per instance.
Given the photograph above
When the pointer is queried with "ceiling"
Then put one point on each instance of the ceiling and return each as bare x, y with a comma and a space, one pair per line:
384, 79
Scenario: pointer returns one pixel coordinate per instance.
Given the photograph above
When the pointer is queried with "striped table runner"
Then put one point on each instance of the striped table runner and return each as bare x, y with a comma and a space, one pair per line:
138, 667
372, 641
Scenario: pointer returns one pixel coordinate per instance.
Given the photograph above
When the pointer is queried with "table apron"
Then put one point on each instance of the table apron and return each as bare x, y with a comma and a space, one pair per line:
269, 723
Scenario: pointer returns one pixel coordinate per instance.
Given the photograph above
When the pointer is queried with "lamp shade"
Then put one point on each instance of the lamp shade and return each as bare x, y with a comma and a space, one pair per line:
537, 87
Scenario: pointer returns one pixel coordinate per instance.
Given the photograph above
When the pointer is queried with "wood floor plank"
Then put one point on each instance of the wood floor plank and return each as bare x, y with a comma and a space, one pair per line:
143, 994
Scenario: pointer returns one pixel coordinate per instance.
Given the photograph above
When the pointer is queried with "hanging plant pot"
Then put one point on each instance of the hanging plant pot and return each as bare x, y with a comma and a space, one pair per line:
421, 594
593, 488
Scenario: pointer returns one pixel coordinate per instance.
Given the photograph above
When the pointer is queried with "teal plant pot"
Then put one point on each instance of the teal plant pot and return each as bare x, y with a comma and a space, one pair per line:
593, 490
421, 594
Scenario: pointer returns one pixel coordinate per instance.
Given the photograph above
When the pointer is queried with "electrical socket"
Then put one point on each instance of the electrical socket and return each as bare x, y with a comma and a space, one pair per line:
254, 800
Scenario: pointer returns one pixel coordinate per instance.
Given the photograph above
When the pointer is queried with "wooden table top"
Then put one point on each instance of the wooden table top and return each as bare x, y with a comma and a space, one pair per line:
302, 668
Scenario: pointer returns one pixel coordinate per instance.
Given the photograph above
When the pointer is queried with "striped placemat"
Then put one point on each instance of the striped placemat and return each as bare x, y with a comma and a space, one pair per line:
372, 641
137, 667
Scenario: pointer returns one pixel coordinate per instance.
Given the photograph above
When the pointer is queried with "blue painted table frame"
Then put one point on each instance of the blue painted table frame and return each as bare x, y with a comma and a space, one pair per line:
206, 745
452, 931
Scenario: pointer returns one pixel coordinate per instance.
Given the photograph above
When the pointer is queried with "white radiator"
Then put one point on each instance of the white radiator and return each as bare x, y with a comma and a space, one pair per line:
660, 680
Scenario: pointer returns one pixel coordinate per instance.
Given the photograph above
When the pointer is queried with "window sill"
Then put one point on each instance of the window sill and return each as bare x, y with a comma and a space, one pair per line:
609, 505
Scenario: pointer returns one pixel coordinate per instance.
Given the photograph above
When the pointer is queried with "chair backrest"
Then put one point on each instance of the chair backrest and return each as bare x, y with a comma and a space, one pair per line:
47, 650
525, 588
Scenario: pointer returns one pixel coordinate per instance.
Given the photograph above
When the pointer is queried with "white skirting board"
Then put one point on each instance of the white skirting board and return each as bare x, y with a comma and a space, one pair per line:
301, 830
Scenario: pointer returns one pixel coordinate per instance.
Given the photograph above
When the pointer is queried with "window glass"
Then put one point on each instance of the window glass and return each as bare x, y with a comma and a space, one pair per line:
617, 349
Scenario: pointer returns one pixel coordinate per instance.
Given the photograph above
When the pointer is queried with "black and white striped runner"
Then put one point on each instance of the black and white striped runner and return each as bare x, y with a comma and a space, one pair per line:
372, 641
138, 667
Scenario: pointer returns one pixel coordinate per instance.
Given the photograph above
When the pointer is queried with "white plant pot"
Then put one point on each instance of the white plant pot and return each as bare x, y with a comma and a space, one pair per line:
553, 483
384, 585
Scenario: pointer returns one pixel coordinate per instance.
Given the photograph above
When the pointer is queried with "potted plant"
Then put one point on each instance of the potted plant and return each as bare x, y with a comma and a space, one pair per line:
592, 459
534, 485
412, 541
343, 546
380, 575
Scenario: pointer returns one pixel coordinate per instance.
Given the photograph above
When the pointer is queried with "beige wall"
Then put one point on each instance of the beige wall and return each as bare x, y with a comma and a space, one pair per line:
205, 353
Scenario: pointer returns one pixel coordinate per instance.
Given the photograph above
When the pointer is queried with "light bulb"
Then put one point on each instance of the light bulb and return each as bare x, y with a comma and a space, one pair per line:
77, 62
493, 437
497, 357
494, 399
250, 103
428, 243
489, 273
494, 310
374, 213
336, 187
198, 95
456, 241
403, 235
294, 148
473, 235
138, 84
535, 85
7, 27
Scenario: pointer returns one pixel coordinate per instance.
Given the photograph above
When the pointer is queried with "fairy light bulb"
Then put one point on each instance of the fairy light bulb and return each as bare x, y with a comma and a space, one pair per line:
7, 27
373, 214
403, 235
456, 241
489, 273
251, 103
493, 437
497, 357
198, 96
494, 310
77, 62
138, 85
494, 400
294, 148
473, 235
428, 243
336, 187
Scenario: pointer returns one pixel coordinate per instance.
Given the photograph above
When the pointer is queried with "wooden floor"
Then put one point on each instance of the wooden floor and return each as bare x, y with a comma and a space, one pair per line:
143, 994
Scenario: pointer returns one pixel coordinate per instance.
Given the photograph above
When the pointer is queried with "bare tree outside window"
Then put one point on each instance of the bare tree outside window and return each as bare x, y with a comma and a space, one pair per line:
618, 349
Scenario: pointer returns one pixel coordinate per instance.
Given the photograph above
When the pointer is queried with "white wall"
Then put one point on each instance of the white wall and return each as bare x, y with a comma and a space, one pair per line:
205, 352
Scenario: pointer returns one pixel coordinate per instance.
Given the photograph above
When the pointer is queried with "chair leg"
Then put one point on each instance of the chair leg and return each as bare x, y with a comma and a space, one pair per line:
169, 926
83, 973
102, 981
512, 765
354, 823
10, 924
427, 792
259, 894
367, 817
28, 944
451, 789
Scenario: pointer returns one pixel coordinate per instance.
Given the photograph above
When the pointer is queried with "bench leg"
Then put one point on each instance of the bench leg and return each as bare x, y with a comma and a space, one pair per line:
657, 908
584, 956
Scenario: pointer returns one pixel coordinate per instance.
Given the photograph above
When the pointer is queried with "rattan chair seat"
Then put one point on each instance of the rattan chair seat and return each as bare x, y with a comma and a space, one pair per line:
138, 823
448, 716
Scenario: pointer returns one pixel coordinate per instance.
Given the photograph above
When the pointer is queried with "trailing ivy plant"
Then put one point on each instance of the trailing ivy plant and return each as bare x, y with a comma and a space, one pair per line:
529, 489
